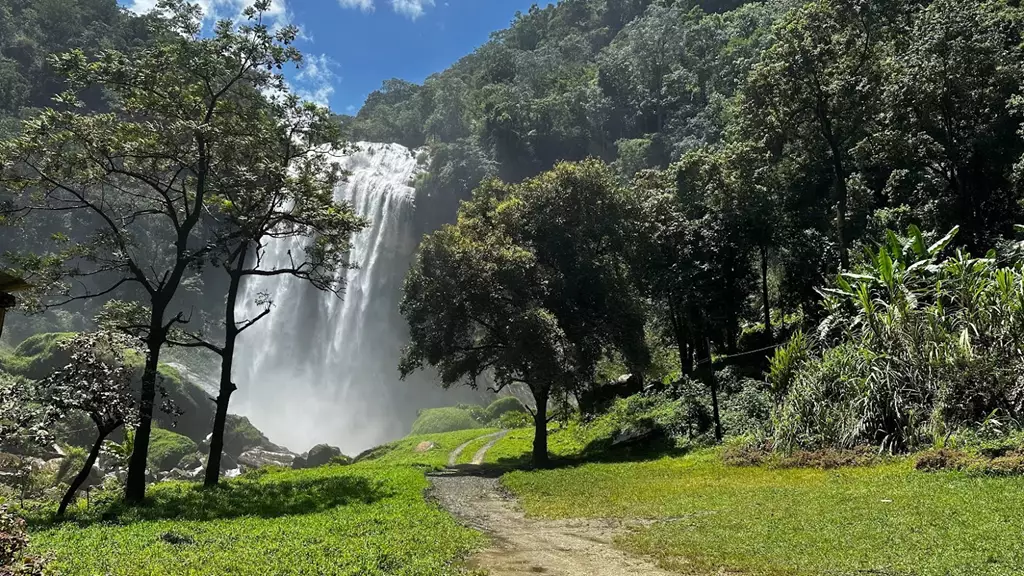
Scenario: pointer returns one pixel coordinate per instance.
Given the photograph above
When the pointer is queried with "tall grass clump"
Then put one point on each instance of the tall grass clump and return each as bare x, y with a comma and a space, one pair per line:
916, 347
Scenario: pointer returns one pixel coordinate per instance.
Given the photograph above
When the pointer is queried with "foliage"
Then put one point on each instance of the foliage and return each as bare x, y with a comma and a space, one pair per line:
167, 449
514, 419
193, 122
497, 292
916, 346
366, 518
794, 520
14, 557
502, 405
450, 419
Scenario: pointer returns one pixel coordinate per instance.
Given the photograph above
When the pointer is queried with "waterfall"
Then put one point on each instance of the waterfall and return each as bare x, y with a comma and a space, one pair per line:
325, 369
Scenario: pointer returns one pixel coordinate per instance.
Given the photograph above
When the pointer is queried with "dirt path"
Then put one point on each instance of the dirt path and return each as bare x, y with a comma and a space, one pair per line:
453, 458
521, 545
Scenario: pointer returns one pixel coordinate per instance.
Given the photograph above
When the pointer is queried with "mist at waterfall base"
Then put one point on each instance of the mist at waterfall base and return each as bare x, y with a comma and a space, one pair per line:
323, 369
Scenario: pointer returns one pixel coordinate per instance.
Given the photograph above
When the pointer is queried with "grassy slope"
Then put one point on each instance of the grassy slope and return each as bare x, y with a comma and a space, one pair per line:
881, 520
402, 453
369, 518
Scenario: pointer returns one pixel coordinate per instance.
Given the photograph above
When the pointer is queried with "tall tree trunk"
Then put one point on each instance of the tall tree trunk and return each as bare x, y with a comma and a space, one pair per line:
839, 173
704, 358
83, 475
135, 484
227, 387
681, 337
768, 329
540, 428
844, 252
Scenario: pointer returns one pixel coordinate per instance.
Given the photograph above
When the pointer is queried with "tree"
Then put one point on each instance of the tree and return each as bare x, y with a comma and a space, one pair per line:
285, 195
144, 173
97, 380
815, 90
946, 128
530, 286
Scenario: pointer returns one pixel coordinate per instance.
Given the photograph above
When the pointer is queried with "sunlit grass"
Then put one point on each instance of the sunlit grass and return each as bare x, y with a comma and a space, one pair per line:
369, 518
876, 520
403, 452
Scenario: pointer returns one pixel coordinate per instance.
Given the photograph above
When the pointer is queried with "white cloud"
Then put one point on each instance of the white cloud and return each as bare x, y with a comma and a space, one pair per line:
315, 81
278, 15
411, 8
364, 5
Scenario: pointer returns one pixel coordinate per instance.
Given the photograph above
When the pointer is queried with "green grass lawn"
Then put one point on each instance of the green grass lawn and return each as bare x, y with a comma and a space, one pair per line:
887, 520
369, 518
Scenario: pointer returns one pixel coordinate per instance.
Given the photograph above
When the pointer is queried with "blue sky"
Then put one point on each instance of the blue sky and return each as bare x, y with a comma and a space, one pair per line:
354, 45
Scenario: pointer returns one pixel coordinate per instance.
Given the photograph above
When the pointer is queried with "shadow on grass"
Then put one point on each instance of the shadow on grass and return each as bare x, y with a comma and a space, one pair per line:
234, 499
598, 451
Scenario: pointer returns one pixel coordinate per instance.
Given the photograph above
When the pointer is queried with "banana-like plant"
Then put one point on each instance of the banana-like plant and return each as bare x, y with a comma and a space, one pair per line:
914, 344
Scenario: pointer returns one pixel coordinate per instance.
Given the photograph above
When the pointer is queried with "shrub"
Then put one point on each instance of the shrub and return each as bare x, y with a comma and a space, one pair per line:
913, 345
478, 412
747, 411
512, 419
504, 405
943, 459
14, 542
450, 419
167, 448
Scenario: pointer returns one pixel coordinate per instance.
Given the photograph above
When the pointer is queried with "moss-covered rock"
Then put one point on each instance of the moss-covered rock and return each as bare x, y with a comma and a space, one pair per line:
438, 420
190, 461
320, 455
37, 356
240, 436
166, 449
197, 409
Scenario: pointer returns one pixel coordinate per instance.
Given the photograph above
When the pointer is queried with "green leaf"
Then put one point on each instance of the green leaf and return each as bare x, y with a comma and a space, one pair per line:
917, 242
943, 242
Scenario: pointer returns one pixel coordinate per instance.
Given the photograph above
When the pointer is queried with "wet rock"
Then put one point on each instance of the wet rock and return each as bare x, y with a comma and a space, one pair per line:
318, 455
259, 457
187, 475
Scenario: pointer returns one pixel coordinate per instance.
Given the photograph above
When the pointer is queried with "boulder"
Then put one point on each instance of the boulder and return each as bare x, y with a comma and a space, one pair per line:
424, 447
317, 456
641, 432
167, 449
186, 475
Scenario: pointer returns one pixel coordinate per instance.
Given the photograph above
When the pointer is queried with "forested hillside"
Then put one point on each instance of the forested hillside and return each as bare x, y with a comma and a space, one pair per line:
741, 158
30, 32
631, 81
854, 116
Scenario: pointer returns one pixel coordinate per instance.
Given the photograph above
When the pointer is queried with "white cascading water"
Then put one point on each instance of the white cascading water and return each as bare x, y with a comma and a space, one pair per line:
323, 369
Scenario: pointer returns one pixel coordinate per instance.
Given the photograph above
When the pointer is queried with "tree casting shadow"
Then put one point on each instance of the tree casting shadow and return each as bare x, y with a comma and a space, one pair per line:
263, 499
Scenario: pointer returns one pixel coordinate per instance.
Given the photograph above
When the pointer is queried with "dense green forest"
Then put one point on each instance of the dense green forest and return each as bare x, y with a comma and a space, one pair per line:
740, 158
